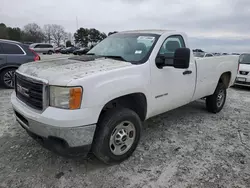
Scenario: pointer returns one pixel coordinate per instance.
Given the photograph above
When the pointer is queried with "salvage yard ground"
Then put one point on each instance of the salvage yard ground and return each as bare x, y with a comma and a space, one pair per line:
186, 147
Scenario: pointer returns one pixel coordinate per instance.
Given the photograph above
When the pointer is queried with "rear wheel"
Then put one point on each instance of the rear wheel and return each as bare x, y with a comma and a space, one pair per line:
117, 135
215, 102
7, 77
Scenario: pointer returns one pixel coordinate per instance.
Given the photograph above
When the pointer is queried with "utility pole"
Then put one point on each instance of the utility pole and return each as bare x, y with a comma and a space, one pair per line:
76, 23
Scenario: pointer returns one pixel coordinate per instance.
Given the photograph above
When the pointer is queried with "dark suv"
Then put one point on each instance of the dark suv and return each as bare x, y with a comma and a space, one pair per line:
12, 55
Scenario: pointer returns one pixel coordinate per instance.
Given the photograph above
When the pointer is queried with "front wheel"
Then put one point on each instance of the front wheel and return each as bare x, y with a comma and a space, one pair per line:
215, 102
117, 135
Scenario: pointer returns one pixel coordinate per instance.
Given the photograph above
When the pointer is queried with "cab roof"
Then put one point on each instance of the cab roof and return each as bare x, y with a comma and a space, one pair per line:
151, 31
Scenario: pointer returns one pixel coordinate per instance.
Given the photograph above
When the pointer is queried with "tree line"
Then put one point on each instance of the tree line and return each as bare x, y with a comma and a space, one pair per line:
51, 33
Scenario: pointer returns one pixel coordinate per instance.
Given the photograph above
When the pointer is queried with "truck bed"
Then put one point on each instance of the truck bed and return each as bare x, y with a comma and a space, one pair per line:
209, 70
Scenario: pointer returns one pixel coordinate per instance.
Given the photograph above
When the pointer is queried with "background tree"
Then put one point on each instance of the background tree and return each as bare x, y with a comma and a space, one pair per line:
82, 37
47, 29
87, 37
68, 43
58, 34
14, 33
33, 33
96, 36
3, 31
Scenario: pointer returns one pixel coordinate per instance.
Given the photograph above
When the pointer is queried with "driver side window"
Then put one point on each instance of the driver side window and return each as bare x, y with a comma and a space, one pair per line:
169, 46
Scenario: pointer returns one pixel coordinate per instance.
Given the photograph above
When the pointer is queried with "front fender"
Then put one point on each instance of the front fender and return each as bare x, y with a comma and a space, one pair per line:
102, 88
121, 86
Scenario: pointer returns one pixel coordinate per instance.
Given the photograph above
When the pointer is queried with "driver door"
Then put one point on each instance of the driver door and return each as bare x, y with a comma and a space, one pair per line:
171, 87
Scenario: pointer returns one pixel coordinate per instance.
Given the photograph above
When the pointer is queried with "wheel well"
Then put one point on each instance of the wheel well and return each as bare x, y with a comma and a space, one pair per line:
225, 78
1, 70
136, 102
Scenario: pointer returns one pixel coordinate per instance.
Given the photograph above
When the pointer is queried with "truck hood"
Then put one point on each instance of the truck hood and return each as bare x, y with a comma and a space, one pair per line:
62, 71
244, 67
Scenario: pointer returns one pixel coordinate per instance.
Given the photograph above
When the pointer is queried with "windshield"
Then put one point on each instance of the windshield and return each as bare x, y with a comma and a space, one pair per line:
244, 59
132, 47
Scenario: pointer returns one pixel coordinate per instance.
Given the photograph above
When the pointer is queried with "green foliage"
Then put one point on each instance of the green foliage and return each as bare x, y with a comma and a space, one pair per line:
85, 36
32, 33
3, 31
14, 33
68, 43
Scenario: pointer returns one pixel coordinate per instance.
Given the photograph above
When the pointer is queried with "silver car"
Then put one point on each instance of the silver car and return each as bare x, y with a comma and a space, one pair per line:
42, 48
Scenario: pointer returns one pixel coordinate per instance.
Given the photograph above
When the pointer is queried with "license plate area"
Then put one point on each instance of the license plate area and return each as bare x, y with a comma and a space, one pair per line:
241, 79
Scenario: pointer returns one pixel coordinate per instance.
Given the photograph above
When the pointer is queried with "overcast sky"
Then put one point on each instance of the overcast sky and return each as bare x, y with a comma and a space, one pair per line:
214, 25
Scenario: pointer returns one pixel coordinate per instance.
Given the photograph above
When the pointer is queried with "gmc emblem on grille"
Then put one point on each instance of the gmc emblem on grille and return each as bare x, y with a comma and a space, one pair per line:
24, 91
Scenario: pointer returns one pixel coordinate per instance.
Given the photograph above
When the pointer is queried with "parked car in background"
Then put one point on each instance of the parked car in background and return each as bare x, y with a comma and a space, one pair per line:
42, 48
69, 50
243, 77
12, 55
81, 51
202, 54
59, 48
216, 54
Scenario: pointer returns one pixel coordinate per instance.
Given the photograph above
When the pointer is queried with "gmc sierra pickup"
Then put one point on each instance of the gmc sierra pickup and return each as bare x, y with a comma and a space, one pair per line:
98, 101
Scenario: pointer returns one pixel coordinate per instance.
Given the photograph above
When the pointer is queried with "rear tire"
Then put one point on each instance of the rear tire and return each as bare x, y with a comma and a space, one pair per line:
7, 77
215, 102
117, 135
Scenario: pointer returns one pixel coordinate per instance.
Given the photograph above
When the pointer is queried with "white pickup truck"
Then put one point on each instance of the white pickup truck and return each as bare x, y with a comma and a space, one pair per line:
97, 102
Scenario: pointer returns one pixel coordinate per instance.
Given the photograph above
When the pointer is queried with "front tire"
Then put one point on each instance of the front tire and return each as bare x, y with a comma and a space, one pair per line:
7, 77
215, 102
50, 52
117, 135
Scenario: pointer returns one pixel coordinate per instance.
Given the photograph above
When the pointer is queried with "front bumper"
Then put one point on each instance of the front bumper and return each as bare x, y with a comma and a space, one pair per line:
67, 135
242, 80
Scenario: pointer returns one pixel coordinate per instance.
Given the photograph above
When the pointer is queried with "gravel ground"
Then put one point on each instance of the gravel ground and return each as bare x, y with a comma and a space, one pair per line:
187, 147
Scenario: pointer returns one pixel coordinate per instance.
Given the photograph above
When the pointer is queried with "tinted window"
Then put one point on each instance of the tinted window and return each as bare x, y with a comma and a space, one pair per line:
11, 49
46, 46
244, 59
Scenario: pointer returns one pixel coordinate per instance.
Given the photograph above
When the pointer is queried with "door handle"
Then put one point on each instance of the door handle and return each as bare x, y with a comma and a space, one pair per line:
187, 72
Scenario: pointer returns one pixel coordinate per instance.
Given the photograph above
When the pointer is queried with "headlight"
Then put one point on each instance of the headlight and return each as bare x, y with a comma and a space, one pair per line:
66, 97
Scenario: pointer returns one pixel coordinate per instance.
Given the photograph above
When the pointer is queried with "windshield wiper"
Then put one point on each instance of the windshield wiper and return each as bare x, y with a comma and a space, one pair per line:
114, 57
90, 53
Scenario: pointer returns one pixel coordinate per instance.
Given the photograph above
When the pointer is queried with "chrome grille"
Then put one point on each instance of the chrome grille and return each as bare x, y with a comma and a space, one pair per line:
30, 91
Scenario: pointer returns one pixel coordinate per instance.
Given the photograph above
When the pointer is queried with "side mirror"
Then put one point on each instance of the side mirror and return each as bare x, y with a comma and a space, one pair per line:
182, 58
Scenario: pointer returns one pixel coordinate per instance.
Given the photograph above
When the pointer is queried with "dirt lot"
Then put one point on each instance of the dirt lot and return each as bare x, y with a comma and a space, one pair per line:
187, 147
